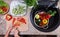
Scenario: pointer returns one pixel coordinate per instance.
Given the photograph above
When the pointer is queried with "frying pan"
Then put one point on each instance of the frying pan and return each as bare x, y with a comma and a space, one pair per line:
48, 3
53, 21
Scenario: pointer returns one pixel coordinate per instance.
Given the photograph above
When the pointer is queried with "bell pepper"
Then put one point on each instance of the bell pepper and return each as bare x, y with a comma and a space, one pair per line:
8, 17
45, 21
21, 20
15, 22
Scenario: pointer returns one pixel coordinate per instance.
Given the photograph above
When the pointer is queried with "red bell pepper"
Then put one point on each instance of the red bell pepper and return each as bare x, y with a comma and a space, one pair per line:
21, 20
8, 17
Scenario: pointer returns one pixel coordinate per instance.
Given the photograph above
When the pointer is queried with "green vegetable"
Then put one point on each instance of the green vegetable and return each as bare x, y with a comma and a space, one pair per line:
38, 21
30, 2
52, 13
18, 10
1, 11
2, 3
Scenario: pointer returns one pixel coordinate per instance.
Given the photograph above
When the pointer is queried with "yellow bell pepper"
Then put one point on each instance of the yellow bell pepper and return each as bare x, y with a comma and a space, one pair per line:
45, 21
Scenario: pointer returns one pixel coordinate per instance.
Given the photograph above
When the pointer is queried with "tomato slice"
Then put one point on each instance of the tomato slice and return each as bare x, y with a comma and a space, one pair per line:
8, 17
21, 20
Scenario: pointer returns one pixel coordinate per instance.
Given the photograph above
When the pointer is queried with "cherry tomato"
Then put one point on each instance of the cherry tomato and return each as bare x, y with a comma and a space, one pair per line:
41, 24
42, 16
48, 16
8, 17
4, 9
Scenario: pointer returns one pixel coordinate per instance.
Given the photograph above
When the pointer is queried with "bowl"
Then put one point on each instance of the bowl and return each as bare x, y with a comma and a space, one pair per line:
53, 21
15, 8
4, 7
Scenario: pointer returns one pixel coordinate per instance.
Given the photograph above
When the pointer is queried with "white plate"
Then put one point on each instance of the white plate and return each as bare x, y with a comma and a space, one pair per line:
14, 4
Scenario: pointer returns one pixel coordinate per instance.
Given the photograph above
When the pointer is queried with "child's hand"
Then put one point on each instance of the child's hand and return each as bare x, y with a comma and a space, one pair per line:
16, 33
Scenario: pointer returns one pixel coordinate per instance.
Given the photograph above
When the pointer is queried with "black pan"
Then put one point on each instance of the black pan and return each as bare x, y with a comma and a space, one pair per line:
53, 21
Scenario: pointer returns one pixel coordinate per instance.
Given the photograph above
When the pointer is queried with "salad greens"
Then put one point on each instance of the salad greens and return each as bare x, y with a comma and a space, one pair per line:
1, 11
18, 10
2, 3
30, 2
3, 7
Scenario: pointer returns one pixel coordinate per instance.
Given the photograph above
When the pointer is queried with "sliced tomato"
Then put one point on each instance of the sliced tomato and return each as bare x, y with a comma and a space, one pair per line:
21, 20
8, 17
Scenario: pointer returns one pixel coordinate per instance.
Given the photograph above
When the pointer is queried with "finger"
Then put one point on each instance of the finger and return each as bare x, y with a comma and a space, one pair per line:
8, 31
16, 33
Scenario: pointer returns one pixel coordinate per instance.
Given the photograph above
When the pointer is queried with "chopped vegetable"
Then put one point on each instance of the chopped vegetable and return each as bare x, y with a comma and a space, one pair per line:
21, 20
18, 10
4, 9
41, 19
52, 13
1, 11
18, 21
2, 3
41, 24
38, 21
8, 17
37, 16
48, 16
15, 22
45, 21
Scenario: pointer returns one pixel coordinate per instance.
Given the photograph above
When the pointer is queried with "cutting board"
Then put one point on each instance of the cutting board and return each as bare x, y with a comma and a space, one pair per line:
23, 27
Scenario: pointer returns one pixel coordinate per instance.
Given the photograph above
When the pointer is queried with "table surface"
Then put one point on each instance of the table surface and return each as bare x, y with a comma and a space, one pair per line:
31, 29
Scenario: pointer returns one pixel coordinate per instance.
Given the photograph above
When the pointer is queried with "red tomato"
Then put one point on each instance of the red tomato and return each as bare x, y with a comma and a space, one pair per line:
21, 20
41, 24
4, 9
8, 17
42, 16
47, 16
